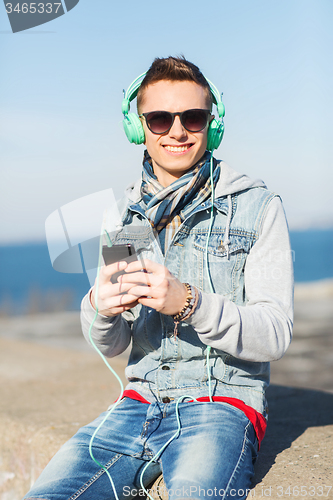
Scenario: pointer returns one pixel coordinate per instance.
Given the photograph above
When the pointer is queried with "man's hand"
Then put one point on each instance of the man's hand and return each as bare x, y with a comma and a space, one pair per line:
111, 299
156, 287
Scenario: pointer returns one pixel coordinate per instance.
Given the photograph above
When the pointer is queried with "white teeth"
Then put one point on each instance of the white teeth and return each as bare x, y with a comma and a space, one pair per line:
176, 149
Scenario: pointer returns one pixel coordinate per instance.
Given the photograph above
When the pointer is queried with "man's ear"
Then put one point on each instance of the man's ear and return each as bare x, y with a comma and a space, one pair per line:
143, 123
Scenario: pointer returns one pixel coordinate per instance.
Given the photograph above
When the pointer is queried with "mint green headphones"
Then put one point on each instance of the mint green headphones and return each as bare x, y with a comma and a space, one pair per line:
134, 129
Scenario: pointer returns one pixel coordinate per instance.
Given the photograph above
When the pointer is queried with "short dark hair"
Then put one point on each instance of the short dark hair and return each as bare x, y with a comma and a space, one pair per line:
174, 69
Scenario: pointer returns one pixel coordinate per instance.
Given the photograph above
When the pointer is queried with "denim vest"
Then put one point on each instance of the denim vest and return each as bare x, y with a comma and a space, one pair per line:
170, 366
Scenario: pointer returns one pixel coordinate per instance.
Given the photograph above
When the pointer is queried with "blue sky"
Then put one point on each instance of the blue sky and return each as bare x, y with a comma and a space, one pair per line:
61, 91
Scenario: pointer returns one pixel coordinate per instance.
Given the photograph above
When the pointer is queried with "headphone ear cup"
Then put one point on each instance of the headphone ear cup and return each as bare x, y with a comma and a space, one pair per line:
133, 128
215, 134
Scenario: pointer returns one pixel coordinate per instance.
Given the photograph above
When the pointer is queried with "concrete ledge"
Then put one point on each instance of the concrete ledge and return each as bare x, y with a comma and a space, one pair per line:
47, 393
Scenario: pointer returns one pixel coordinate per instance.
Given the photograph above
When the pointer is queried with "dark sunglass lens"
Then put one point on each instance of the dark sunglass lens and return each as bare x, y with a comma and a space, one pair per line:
194, 120
159, 122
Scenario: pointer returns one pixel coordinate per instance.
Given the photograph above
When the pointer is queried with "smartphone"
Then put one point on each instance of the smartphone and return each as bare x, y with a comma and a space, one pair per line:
116, 253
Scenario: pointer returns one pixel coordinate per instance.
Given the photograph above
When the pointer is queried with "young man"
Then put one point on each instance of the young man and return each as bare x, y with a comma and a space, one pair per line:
211, 310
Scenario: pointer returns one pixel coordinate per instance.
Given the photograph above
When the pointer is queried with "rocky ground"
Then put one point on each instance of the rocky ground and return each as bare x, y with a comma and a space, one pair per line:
52, 383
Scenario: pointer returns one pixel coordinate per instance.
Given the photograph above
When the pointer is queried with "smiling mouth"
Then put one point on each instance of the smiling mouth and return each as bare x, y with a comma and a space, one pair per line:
178, 149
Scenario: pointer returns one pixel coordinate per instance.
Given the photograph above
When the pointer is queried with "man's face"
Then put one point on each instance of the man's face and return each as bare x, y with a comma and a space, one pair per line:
176, 151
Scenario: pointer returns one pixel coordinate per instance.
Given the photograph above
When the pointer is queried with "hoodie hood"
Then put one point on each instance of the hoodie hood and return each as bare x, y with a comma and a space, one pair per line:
231, 182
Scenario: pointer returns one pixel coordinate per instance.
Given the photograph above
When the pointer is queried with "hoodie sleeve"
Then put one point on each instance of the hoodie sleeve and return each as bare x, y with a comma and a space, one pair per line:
111, 335
262, 329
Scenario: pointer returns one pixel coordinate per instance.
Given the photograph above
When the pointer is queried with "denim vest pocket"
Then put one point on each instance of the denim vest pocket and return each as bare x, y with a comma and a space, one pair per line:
225, 264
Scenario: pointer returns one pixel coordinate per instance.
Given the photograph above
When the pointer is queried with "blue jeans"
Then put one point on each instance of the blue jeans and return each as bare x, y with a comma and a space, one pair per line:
212, 457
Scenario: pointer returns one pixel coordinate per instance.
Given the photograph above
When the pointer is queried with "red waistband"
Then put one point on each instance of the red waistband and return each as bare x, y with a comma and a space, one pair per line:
257, 419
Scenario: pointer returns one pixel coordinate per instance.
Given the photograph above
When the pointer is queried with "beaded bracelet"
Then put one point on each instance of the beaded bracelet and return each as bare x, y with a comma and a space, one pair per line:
189, 306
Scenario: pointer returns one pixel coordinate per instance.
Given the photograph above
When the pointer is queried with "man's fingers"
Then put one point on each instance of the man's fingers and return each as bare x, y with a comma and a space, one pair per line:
114, 311
108, 271
147, 301
147, 265
113, 289
141, 278
146, 291
121, 309
118, 300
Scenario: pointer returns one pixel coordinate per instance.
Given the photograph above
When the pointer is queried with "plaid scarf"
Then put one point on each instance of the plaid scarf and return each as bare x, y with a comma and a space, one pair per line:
167, 207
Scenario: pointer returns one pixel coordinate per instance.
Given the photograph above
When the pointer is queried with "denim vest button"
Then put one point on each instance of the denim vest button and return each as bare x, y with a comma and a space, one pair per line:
166, 400
165, 367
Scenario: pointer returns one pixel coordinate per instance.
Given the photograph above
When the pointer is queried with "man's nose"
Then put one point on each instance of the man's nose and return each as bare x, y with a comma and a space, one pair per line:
177, 130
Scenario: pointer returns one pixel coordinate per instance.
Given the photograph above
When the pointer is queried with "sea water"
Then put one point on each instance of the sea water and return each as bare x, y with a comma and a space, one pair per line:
28, 283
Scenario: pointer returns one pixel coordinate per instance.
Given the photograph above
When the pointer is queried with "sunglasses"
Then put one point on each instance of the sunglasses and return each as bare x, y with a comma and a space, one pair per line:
160, 122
